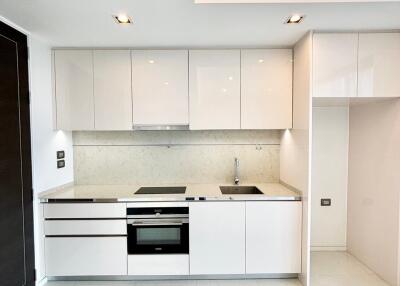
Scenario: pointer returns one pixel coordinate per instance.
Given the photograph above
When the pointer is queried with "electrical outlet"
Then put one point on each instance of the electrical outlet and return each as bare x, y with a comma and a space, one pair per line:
326, 202
60, 154
60, 164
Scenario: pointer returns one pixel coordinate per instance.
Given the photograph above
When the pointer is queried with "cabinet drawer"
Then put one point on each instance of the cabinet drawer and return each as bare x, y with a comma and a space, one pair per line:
85, 210
85, 256
158, 264
85, 227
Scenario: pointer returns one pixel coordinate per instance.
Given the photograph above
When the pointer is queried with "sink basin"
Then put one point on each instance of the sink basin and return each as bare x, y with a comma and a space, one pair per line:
240, 190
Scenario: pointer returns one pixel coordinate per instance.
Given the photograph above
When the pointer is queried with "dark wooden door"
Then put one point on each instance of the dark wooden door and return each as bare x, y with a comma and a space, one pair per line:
16, 215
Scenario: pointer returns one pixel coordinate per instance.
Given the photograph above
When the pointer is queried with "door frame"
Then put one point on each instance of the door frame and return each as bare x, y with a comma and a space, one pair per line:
25, 142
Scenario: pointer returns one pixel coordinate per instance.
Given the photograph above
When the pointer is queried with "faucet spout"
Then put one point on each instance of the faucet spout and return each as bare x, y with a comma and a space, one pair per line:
236, 180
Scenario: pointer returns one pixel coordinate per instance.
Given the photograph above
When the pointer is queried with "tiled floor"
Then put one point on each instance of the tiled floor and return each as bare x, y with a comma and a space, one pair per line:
327, 269
341, 269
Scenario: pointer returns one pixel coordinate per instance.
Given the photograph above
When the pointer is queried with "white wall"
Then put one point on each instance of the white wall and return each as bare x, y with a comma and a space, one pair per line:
45, 141
295, 143
373, 191
329, 177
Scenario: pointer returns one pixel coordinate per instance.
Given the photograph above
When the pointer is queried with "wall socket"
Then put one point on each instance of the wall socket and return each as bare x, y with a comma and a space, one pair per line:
326, 202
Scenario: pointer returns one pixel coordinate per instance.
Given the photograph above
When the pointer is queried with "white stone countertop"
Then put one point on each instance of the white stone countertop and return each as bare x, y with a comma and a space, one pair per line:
126, 193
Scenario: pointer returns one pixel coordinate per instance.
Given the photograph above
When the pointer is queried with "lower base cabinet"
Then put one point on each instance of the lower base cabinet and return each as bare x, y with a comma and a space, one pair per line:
273, 237
85, 256
217, 238
158, 264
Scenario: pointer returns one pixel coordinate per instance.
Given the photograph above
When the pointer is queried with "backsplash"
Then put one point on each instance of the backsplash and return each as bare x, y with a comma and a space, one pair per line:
175, 157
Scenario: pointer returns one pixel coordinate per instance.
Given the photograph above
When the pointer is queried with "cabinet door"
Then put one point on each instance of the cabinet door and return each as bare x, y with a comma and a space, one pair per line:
266, 85
160, 87
379, 65
214, 89
335, 64
217, 238
86, 256
273, 237
73, 85
112, 90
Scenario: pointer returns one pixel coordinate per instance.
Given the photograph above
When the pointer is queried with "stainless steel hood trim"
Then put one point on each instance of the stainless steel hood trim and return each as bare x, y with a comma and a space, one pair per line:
149, 127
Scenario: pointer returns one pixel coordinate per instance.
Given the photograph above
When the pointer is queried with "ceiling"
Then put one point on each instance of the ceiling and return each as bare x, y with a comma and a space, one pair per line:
182, 23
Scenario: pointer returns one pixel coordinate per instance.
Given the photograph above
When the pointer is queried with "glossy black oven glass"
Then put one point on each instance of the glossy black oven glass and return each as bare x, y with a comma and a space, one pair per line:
158, 231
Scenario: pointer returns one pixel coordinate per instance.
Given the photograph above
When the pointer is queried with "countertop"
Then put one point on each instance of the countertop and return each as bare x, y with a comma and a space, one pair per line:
126, 193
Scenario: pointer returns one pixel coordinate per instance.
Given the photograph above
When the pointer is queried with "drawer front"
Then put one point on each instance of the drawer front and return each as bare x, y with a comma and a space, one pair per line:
158, 264
85, 210
85, 227
85, 256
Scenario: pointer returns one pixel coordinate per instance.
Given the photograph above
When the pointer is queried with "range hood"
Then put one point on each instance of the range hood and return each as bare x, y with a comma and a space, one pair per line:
160, 127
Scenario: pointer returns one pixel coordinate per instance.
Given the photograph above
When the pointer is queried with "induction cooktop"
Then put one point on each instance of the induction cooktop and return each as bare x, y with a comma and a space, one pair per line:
160, 190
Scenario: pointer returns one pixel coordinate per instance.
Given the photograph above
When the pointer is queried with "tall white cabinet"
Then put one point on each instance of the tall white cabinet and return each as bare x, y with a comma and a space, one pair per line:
217, 238
214, 89
73, 88
379, 65
112, 90
266, 88
160, 87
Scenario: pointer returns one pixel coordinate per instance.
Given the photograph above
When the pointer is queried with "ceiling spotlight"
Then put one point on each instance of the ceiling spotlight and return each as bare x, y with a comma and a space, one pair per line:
122, 19
294, 19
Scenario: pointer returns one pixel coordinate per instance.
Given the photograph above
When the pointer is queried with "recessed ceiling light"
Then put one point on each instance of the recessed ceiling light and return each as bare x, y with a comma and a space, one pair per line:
151, 61
230, 78
294, 19
122, 19
260, 61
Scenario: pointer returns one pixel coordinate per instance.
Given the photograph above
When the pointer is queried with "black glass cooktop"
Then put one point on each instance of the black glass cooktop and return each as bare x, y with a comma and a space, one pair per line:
160, 190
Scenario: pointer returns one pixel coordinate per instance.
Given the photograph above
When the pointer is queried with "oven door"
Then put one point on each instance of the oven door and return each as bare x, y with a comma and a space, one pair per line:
158, 236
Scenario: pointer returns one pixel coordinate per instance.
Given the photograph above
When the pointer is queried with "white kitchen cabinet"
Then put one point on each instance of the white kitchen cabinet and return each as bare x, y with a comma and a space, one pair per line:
160, 87
171, 264
112, 89
85, 256
73, 89
217, 238
273, 237
266, 88
379, 65
214, 89
335, 64
84, 210
85, 227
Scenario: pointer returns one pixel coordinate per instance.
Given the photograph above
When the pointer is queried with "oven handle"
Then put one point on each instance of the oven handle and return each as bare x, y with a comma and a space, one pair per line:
136, 222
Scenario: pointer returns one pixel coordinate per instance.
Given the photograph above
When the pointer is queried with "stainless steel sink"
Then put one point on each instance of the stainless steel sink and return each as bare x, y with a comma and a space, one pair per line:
240, 190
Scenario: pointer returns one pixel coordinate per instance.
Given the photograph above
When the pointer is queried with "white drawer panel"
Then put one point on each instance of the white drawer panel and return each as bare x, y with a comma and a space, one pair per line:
158, 264
85, 256
85, 227
85, 210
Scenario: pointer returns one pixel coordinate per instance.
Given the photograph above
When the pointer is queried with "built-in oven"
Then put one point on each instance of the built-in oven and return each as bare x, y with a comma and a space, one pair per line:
163, 230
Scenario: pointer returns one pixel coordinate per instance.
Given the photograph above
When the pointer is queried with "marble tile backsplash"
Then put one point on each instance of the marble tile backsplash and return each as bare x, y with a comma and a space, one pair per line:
175, 157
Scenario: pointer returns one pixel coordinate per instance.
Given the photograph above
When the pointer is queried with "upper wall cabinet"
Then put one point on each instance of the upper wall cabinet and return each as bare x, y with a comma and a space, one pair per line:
379, 65
73, 87
266, 89
335, 64
214, 89
160, 87
93, 89
112, 89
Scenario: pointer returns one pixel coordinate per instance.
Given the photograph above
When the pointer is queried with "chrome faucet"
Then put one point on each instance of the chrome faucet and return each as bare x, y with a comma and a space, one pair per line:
236, 180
